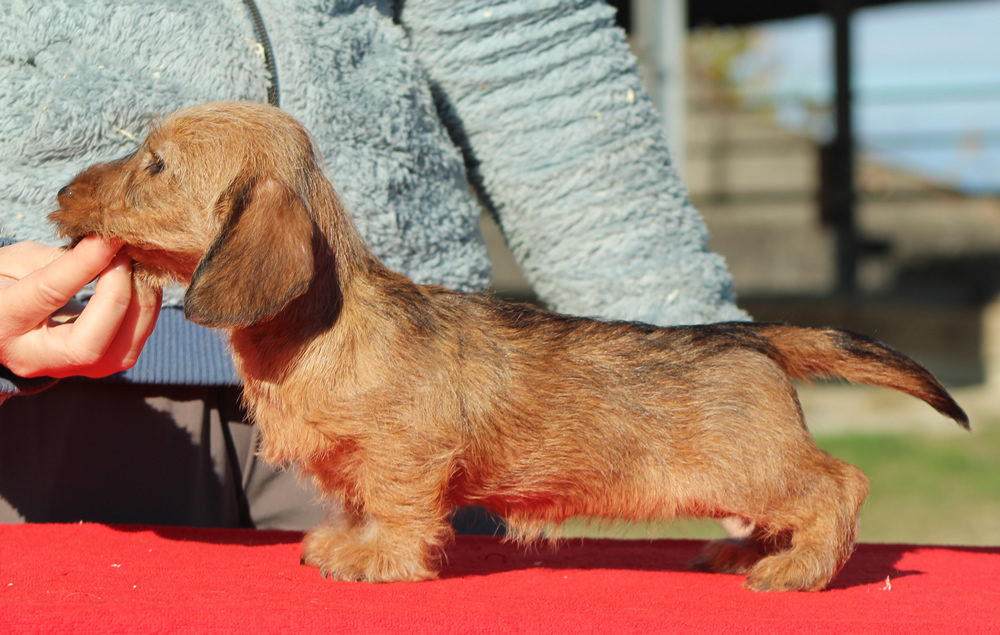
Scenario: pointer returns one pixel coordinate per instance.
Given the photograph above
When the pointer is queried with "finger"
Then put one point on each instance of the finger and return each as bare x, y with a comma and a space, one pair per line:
43, 291
105, 338
26, 256
148, 301
86, 341
135, 329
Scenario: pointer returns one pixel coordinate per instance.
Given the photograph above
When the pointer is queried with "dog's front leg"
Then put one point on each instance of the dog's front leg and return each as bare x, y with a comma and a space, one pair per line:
393, 531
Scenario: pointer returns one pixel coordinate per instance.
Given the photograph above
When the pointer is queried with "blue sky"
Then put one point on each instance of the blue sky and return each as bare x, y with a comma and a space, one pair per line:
927, 84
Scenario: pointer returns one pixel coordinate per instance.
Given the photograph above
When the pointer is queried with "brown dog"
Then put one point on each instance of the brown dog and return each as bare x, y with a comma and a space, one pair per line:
402, 401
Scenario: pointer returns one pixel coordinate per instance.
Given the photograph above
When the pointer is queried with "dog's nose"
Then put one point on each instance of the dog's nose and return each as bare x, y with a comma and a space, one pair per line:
64, 192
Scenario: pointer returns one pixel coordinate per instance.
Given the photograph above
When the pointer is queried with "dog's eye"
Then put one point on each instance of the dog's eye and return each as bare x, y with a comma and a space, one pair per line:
155, 165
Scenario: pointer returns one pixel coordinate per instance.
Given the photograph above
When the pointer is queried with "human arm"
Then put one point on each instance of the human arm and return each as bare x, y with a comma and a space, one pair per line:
106, 336
565, 148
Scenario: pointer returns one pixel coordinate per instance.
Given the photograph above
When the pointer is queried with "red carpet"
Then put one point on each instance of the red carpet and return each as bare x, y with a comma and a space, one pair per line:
99, 579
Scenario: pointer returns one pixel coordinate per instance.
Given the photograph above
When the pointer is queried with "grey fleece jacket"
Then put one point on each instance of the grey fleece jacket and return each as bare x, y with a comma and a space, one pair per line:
423, 110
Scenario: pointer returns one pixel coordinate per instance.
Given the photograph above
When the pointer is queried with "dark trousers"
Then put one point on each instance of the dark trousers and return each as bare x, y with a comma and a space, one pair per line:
138, 454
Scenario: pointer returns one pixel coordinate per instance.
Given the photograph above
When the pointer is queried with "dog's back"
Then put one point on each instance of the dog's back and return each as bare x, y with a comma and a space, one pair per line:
805, 353
801, 352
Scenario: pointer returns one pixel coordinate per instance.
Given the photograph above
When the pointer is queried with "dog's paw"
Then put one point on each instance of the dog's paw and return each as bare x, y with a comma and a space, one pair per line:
730, 555
339, 554
786, 572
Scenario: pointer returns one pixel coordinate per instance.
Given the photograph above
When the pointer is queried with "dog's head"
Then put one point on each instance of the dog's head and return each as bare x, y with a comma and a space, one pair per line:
219, 197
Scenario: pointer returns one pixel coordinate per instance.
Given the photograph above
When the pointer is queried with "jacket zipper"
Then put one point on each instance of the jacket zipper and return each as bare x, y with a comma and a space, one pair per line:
265, 42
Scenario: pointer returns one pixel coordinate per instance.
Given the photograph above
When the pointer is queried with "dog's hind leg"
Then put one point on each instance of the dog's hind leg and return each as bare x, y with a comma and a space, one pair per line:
822, 526
738, 555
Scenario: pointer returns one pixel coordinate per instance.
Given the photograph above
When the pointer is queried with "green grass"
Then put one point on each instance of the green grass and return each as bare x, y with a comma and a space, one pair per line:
924, 489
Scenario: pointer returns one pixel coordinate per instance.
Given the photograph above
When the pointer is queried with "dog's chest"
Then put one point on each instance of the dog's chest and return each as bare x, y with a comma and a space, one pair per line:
287, 435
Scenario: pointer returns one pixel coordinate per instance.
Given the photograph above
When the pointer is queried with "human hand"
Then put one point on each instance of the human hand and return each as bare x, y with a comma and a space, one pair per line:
36, 281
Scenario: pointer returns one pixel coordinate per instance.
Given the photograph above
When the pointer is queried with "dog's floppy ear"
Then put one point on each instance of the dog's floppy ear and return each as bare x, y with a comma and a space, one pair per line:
262, 259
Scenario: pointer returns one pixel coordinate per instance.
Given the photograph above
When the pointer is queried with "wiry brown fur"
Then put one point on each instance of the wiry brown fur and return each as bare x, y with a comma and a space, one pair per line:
402, 401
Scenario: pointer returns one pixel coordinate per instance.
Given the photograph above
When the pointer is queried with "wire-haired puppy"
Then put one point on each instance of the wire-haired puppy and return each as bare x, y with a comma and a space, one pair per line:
402, 401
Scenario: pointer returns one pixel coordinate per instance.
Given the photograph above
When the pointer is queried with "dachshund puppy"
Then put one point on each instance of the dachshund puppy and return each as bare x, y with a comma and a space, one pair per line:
402, 401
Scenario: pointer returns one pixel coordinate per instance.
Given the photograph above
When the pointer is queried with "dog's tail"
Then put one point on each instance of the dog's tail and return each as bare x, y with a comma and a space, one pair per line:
827, 352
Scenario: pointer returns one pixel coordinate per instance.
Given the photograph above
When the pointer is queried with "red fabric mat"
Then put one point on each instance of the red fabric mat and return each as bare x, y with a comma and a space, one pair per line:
100, 579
